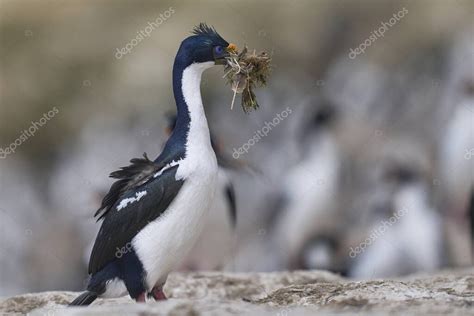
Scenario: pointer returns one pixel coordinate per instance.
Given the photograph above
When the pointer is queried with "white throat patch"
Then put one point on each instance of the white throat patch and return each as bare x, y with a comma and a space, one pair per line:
198, 143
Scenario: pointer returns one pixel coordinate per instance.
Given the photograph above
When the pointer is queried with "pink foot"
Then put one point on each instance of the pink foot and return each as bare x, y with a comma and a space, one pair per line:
141, 298
158, 294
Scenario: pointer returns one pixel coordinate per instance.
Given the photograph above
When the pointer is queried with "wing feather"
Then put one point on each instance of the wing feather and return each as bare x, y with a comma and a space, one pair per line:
147, 197
137, 173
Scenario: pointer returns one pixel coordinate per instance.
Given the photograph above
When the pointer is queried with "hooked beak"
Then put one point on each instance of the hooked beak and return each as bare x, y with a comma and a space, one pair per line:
231, 49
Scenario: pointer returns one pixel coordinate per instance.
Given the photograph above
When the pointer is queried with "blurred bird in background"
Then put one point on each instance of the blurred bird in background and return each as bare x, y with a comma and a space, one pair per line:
456, 148
308, 193
410, 234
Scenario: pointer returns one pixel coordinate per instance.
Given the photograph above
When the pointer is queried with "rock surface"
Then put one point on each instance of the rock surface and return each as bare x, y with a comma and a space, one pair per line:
282, 294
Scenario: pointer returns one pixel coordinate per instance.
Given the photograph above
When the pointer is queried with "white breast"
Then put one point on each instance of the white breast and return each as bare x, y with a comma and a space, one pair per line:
215, 244
165, 242
162, 244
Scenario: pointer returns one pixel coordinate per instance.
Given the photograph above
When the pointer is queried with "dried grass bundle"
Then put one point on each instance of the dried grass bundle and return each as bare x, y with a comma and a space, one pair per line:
244, 72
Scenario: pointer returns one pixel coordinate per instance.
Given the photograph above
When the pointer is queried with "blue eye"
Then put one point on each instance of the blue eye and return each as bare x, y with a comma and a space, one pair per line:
218, 50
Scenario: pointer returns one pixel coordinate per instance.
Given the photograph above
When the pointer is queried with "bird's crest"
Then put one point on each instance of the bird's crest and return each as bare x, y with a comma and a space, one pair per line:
206, 30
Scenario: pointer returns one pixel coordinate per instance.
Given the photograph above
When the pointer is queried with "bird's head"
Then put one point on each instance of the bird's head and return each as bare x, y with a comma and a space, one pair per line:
206, 45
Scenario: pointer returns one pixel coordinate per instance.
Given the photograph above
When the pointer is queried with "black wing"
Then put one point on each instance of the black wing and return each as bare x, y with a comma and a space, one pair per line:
137, 173
122, 219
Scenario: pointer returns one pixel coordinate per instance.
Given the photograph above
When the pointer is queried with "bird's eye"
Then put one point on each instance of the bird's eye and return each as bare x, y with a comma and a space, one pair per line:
219, 50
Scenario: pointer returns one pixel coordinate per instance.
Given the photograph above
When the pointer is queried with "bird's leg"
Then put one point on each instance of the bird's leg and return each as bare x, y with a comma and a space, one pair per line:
158, 294
140, 298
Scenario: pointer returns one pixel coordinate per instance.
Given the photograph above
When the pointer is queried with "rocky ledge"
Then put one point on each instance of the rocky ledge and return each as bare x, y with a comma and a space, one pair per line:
278, 294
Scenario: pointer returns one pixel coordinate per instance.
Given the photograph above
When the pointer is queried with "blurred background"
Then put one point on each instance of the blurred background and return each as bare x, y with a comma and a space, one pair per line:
367, 172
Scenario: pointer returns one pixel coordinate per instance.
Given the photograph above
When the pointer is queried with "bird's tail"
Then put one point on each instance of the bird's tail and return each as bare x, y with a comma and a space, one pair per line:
85, 298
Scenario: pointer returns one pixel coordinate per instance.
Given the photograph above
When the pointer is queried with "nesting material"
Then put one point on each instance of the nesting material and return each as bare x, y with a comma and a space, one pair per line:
244, 72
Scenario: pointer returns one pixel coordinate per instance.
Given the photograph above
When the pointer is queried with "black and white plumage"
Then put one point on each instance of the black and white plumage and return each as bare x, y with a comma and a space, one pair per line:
135, 182
214, 247
155, 211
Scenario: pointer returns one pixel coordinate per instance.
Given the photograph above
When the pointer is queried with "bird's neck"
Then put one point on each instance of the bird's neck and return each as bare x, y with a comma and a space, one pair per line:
191, 132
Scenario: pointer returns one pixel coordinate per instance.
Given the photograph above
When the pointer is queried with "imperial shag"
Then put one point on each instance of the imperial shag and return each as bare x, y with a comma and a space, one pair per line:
155, 211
